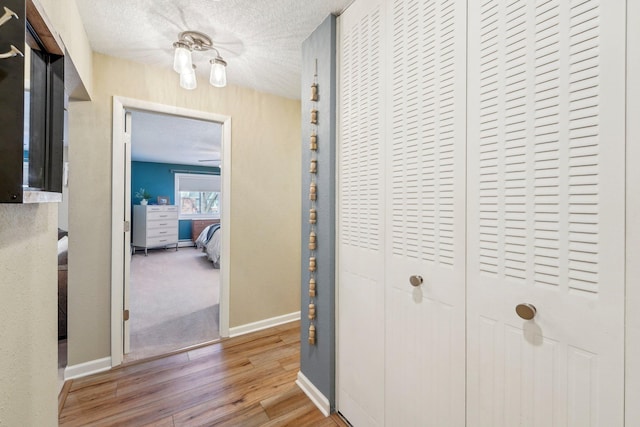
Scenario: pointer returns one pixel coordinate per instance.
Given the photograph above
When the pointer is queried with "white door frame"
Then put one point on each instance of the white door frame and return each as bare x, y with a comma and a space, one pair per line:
120, 104
632, 329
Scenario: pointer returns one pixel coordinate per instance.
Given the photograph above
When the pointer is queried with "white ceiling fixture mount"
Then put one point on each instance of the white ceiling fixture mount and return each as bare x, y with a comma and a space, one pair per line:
189, 41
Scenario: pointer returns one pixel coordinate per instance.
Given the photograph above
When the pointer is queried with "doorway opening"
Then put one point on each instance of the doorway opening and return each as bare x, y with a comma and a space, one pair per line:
169, 291
174, 275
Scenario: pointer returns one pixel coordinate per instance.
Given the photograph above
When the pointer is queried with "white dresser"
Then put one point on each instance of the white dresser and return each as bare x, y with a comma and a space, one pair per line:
154, 226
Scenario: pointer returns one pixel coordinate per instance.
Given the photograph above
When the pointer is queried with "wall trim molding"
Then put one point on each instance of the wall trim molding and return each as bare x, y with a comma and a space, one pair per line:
314, 394
187, 243
263, 324
87, 368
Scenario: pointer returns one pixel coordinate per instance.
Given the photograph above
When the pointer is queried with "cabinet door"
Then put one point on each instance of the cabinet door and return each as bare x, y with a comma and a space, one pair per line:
12, 96
546, 213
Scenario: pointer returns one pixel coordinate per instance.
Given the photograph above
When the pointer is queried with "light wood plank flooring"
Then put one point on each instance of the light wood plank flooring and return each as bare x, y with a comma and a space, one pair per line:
244, 381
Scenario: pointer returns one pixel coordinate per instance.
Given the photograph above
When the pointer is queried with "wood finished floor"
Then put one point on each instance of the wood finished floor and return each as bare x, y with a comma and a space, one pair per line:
244, 381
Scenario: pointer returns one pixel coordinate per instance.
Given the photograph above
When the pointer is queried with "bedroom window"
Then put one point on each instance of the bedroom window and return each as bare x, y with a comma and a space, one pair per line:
200, 202
198, 195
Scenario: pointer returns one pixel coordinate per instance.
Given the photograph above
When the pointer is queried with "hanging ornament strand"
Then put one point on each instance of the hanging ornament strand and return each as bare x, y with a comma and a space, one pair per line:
313, 197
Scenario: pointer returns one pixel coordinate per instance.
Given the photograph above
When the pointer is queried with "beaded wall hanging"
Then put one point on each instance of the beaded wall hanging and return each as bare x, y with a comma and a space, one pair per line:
313, 197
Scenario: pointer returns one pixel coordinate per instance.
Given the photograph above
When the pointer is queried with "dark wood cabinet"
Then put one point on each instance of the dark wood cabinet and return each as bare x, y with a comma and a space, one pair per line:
32, 113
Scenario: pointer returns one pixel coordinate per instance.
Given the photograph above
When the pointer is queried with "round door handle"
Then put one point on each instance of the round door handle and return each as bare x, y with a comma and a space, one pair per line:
526, 311
415, 280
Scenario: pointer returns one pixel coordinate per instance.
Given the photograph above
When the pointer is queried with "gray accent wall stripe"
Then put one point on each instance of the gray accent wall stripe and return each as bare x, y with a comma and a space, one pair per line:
317, 362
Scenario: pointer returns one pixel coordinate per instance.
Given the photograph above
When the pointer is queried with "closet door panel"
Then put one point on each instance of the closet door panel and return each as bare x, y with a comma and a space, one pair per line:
425, 188
546, 213
361, 356
361, 198
423, 381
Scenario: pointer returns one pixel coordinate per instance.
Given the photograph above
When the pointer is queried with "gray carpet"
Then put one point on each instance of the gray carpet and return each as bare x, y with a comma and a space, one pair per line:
173, 301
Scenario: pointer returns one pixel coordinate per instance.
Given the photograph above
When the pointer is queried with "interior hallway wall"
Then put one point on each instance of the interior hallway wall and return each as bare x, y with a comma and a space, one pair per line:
28, 284
264, 216
64, 16
29, 295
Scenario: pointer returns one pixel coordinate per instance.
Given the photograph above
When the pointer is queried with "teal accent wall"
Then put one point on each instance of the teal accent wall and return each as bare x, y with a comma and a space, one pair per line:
158, 180
184, 229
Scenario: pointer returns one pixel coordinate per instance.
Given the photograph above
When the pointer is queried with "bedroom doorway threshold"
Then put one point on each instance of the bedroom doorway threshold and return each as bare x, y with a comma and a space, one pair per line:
128, 361
121, 235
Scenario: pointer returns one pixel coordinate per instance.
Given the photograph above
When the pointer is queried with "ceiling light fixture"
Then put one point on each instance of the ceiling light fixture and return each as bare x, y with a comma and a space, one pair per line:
189, 41
188, 78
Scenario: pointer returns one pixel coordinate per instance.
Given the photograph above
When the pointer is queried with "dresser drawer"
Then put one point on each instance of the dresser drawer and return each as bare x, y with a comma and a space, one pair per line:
162, 240
153, 215
162, 208
169, 223
159, 232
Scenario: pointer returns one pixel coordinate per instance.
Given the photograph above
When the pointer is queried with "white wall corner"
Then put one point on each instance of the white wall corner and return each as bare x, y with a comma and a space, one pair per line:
263, 324
87, 368
314, 394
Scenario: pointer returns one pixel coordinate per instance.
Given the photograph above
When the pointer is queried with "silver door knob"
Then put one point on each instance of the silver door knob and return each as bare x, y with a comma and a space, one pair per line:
526, 311
415, 280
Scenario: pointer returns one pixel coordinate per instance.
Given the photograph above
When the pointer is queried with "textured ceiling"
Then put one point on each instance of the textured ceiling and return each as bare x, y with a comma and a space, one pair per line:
163, 138
260, 39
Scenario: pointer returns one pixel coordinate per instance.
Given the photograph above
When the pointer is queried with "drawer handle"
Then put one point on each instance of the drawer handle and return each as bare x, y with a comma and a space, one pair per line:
163, 240
163, 232
163, 216
164, 223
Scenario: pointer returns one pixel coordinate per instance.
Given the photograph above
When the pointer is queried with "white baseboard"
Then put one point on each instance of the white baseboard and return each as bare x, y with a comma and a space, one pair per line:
263, 324
87, 368
314, 394
186, 243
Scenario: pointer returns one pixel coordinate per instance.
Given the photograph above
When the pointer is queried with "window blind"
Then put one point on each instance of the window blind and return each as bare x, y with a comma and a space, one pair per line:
193, 182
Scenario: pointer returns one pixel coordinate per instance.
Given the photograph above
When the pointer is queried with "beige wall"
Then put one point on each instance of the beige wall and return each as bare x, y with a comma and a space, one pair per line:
28, 296
265, 182
28, 279
64, 16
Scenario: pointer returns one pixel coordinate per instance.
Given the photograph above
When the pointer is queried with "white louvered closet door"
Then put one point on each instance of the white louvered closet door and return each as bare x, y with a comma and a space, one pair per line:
361, 199
425, 226
546, 212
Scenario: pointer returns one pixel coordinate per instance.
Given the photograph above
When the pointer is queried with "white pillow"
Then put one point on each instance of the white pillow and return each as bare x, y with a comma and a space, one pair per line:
63, 245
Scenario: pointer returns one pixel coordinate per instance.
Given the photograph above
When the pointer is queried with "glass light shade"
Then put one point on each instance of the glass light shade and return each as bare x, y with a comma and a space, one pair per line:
188, 79
182, 58
218, 76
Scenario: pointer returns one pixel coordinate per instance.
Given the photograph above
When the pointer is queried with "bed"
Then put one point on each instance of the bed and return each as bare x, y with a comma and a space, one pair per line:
209, 241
